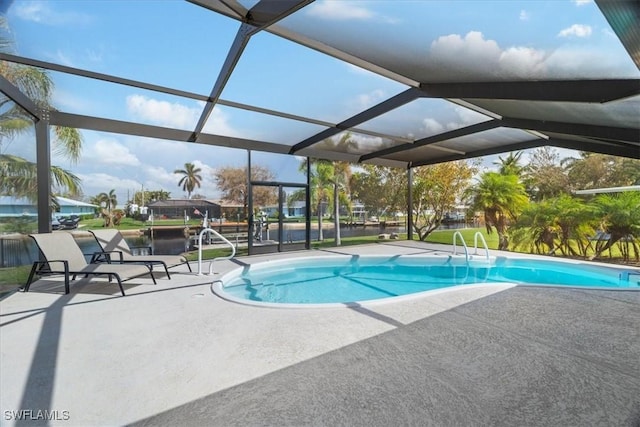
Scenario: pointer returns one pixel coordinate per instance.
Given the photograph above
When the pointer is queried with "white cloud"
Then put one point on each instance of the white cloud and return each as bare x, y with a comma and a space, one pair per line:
43, 13
364, 142
524, 15
110, 152
218, 123
367, 100
577, 30
523, 61
432, 126
473, 47
340, 10
467, 116
162, 113
457, 57
582, 2
68, 101
96, 183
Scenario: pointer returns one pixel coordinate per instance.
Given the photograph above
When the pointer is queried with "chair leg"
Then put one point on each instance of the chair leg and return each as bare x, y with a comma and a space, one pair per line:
31, 274
119, 283
166, 270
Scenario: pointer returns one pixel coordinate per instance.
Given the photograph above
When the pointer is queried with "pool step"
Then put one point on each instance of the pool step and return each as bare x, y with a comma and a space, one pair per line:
632, 277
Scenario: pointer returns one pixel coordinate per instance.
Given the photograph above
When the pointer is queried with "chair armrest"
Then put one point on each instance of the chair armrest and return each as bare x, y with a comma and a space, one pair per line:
105, 256
44, 267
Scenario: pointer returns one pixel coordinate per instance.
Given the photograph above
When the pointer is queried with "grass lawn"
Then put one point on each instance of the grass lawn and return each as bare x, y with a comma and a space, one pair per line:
132, 224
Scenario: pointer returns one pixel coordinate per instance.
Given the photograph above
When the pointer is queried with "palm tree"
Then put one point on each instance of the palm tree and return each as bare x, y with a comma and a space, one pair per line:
510, 164
501, 198
620, 218
321, 171
339, 180
112, 200
190, 178
556, 223
19, 175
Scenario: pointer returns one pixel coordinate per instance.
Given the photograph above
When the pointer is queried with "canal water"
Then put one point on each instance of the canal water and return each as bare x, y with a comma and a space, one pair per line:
172, 245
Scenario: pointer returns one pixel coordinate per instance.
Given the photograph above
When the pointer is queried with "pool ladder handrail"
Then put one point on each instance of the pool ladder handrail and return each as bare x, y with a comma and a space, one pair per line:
484, 242
475, 244
215, 233
464, 244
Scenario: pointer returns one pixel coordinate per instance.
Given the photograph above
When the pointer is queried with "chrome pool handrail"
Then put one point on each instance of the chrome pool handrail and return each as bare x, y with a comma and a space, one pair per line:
484, 242
464, 244
206, 230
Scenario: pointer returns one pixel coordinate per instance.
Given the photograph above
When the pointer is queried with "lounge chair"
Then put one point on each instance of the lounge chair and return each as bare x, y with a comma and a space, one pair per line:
111, 241
62, 255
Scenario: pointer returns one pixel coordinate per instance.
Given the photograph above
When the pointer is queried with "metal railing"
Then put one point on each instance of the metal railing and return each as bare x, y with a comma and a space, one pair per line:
484, 242
464, 244
215, 233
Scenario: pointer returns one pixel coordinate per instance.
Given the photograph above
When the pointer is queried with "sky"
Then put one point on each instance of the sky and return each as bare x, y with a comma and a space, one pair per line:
180, 45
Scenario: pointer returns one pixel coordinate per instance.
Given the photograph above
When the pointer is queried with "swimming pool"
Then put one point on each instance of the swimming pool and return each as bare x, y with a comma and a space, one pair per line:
351, 279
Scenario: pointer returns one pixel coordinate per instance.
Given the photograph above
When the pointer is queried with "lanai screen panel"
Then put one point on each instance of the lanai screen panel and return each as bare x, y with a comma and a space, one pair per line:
286, 77
468, 40
300, 81
487, 141
90, 97
620, 113
424, 117
261, 127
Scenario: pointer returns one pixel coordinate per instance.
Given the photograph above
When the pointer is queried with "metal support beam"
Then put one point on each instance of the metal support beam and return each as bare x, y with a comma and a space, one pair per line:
100, 76
623, 16
523, 145
19, 98
593, 91
392, 103
267, 12
250, 217
43, 171
456, 133
576, 129
409, 203
233, 56
601, 147
307, 202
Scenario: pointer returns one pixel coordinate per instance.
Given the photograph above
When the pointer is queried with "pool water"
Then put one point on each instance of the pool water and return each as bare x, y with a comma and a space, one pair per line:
352, 279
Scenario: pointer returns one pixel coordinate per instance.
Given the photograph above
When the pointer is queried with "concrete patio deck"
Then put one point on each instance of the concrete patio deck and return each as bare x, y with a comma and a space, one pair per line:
176, 354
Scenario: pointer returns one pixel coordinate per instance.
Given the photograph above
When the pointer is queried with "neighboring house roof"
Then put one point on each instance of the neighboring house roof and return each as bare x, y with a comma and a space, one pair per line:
170, 203
63, 201
22, 206
609, 190
23, 201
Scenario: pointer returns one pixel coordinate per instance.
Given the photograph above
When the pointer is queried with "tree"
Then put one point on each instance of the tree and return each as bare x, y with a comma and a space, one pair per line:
380, 188
510, 165
190, 178
593, 170
232, 183
501, 198
544, 175
18, 176
436, 189
319, 188
112, 200
620, 218
556, 223
339, 180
